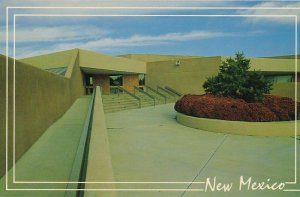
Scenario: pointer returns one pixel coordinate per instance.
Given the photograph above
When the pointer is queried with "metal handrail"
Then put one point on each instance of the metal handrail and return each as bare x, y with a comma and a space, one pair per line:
158, 93
78, 172
145, 93
173, 91
169, 93
131, 94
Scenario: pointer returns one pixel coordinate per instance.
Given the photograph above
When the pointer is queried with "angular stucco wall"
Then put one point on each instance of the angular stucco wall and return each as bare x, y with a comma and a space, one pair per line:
52, 60
41, 98
188, 77
76, 77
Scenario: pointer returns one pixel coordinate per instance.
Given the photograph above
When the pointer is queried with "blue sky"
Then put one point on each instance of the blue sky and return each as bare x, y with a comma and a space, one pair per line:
178, 35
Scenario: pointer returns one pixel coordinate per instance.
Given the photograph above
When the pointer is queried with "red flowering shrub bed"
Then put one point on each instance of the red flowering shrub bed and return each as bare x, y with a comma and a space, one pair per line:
272, 108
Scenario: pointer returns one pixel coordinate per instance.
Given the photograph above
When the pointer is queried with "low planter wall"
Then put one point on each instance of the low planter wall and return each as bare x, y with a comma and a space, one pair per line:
282, 128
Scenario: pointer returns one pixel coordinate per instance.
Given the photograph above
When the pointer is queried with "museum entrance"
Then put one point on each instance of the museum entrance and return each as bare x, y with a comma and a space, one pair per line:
112, 83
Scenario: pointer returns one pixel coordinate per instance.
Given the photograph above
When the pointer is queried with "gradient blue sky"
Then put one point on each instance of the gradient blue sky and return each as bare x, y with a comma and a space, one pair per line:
178, 35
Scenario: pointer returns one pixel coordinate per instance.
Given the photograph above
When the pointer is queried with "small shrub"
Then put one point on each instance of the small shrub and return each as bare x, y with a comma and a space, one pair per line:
283, 107
273, 108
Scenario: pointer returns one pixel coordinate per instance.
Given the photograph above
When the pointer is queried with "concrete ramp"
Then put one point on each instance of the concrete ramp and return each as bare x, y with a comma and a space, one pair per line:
48, 163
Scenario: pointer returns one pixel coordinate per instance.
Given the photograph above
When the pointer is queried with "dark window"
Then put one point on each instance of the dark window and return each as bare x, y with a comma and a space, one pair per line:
116, 80
88, 80
141, 79
59, 70
280, 78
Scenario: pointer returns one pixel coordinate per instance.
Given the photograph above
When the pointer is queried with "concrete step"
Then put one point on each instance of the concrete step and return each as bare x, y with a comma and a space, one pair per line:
119, 108
109, 109
147, 105
115, 102
119, 99
160, 99
169, 97
120, 102
121, 105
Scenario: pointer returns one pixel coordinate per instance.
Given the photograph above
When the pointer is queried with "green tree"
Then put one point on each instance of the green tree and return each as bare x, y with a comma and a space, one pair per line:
234, 80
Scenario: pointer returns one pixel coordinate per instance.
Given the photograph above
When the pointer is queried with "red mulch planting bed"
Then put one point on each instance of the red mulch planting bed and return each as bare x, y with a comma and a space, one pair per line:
272, 108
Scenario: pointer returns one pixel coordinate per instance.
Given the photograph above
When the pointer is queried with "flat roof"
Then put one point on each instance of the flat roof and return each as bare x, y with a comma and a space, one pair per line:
270, 65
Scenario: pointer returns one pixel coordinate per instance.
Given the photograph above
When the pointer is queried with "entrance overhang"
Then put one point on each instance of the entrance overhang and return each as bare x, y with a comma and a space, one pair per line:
95, 71
96, 63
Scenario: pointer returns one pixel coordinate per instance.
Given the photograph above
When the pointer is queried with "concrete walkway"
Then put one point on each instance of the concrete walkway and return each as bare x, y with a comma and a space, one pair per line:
51, 158
148, 145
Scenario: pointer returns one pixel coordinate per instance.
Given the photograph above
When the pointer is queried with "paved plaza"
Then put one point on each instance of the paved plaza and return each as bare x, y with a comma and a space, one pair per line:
150, 150
148, 145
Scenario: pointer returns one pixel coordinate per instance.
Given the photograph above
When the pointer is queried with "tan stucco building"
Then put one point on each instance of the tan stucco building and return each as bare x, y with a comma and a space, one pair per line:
185, 74
42, 88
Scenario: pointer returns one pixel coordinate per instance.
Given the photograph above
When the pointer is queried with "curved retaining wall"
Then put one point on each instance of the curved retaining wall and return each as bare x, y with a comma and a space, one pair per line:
282, 128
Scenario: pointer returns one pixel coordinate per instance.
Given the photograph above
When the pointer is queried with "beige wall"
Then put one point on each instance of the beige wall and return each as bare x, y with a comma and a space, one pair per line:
186, 78
286, 90
155, 58
41, 98
129, 81
271, 65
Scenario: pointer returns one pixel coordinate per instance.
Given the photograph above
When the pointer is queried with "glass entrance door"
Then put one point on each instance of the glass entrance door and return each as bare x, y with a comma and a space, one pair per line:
114, 82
